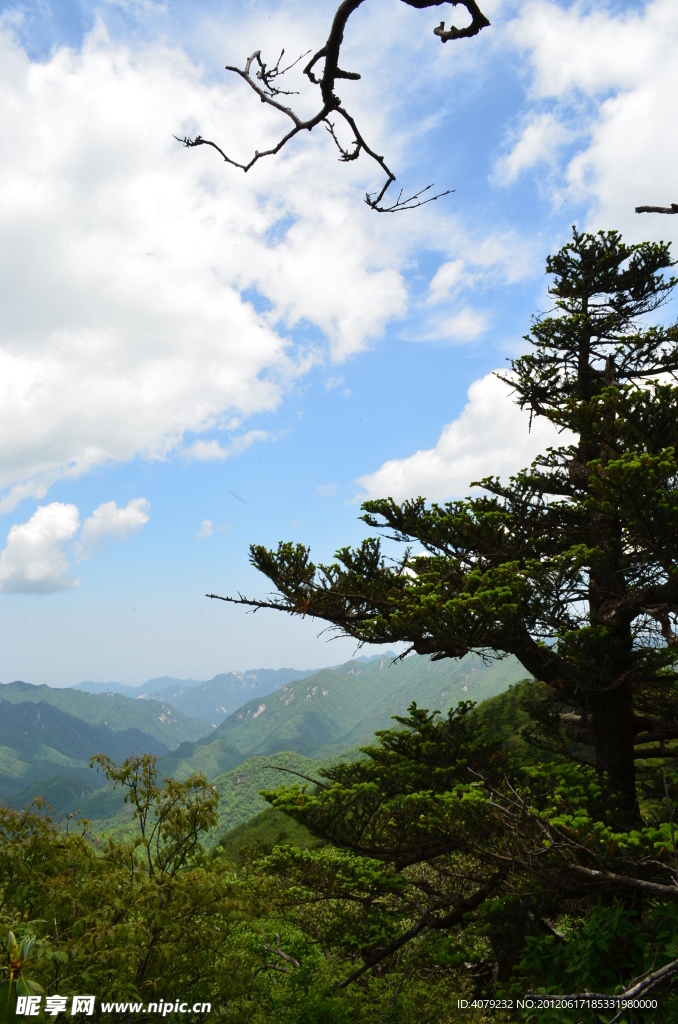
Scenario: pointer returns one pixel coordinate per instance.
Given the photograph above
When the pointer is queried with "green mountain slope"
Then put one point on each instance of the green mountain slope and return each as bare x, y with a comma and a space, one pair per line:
304, 722
239, 794
212, 757
157, 719
260, 834
252, 832
39, 742
239, 789
334, 710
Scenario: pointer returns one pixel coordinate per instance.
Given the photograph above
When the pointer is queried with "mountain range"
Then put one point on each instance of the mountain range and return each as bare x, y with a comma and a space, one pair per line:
335, 710
39, 741
285, 718
210, 700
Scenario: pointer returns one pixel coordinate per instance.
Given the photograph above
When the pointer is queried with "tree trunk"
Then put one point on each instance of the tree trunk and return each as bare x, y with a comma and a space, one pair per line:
613, 735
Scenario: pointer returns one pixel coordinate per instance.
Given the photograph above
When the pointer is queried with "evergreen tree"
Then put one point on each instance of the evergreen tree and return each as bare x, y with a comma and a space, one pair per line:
571, 566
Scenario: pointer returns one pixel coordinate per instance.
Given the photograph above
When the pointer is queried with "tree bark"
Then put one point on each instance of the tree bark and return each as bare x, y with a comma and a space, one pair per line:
613, 736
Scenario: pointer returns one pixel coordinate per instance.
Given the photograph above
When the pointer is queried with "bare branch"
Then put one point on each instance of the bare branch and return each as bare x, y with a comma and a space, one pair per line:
279, 952
628, 882
673, 208
647, 984
479, 21
299, 775
262, 79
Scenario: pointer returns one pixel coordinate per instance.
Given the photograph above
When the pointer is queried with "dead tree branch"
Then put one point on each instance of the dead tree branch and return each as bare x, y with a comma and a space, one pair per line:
263, 80
673, 208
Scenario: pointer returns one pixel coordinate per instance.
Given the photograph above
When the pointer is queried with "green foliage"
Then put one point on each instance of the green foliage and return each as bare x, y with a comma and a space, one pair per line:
156, 917
443, 865
515, 873
596, 953
125, 920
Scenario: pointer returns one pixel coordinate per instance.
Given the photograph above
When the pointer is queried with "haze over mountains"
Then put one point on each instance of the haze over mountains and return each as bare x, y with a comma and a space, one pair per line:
211, 700
239, 724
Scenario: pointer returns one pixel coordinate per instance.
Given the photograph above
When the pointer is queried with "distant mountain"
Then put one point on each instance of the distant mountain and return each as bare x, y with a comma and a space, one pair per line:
214, 700
162, 682
210, 700
125, 690
39, 741
160, 720
335, 710
47, 736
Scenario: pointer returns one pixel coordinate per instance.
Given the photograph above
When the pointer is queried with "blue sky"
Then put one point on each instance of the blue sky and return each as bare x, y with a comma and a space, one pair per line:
194, 359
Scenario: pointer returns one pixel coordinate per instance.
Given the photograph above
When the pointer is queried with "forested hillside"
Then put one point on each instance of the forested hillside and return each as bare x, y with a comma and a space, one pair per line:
160, 720
43, 747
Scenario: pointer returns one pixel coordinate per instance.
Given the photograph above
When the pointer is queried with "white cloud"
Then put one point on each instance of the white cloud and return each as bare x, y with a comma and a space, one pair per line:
466, 325
33, 559
36, 488
109, 522
124, 256
489, 438
564, 44
36, 558
539, 142
205, 451
206, 529
616, 74
447, 277
444, 314
213, 451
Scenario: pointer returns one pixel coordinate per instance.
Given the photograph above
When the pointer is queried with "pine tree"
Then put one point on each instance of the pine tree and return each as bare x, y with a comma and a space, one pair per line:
572, 565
